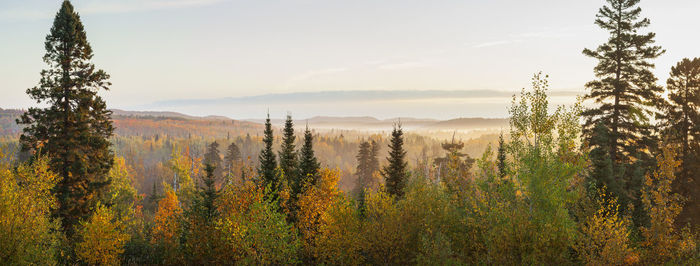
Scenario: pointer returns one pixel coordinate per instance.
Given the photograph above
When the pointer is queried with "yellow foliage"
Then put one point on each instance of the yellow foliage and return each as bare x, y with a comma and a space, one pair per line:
313, 203
28, 235
605, 236
663, 206
102, 239
339, 240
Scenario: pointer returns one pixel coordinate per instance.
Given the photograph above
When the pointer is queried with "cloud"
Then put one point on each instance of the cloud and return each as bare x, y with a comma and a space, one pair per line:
529, 36
315, 73
402, 66
495, 43
102, 7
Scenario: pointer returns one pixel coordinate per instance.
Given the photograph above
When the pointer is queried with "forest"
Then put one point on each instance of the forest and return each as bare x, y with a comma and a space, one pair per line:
612, 184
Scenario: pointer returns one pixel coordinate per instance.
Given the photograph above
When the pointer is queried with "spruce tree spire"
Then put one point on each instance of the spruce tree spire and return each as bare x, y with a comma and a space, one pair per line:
74, 129
396, 172
501, 157
268, 163
288, 155
309, 166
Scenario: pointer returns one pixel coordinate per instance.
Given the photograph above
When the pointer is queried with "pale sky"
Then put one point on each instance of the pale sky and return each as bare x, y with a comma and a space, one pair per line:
160, 50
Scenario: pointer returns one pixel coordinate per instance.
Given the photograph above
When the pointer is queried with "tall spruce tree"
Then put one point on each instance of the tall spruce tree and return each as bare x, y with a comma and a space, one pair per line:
268, 163
288, 155
681, 127
308, 165
213, 158
74, 128
395, 173
625, 91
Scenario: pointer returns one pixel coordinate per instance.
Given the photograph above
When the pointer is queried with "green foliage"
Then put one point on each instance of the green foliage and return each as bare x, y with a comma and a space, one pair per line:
268, 163
501, 156
531, 222
74, 129
288, 156
395, 172
308, 165
254, 231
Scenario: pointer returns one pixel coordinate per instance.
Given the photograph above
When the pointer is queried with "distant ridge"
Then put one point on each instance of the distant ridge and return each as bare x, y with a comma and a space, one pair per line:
361, 123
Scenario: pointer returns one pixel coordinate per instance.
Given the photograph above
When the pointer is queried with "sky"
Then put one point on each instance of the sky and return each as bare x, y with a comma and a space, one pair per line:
160, 51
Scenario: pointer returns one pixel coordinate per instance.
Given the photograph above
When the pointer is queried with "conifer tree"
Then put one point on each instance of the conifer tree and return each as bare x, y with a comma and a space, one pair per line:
501, 157
308, 165
396, 172
288, 155
625, 91
213, 158
74, 128
681, 127
268, 163
362, 171
232, 161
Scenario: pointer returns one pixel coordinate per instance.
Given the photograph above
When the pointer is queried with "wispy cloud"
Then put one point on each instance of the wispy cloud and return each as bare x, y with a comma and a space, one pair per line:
402, 66
315, 73
496, 43
529, 36
103, 7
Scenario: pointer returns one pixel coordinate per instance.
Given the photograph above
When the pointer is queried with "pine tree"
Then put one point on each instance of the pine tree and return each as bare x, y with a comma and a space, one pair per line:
308, 165
213, 158
208, 194
396, 172
501, 157
288, 155
681, 127
625, 90
231, 159
268, 163
74, 129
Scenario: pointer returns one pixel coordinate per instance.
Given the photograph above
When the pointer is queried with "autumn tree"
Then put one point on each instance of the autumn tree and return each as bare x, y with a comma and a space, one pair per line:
102, 238
167, 229
28, 235
625, 90
396, 172
253, 230
313, 203
74, 128
681, 127
605, 235
663, 242
454, 167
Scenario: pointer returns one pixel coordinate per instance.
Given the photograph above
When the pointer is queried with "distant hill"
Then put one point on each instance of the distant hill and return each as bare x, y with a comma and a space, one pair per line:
144, 123
471, 123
